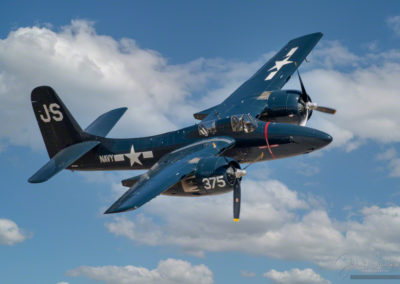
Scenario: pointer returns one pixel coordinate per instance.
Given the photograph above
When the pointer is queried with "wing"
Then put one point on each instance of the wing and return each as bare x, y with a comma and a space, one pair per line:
270, 77
168, 171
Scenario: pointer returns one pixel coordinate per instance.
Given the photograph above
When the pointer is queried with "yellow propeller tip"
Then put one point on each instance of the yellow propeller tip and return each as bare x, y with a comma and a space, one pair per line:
236, 220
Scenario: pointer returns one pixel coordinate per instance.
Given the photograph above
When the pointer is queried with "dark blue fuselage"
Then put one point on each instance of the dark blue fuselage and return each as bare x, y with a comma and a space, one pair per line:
268, 141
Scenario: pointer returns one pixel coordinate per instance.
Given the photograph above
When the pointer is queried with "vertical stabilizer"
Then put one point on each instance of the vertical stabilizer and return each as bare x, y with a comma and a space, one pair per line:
58, 127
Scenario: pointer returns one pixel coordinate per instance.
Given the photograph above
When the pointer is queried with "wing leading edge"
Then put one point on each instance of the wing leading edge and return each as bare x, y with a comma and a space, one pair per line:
168, 171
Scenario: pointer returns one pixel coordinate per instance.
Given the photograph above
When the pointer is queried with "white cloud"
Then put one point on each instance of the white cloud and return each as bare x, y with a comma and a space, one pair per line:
10, 233
168, 271
94, 73
266, 208
394, 23
229, 76
62, 283
394, 167
362, 87
392, 161
367, 100
275, 222
296, 276
389, 154
85, 68
332, 54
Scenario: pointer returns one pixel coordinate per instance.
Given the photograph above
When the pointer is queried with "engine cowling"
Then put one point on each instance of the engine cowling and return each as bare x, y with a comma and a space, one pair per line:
285, 106
216, 173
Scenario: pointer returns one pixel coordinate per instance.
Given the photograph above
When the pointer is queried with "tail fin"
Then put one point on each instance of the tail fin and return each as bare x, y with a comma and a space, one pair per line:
59, 129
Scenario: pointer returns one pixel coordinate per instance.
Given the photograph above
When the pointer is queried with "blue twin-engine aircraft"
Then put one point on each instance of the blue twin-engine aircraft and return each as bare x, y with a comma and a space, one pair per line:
257, 122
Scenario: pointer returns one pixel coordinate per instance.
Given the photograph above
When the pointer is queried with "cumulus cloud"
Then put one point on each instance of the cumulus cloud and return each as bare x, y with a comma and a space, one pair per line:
94, 73
296, 276
266, 208
332, 54
10, 233
276, 222
365, 93
167, 272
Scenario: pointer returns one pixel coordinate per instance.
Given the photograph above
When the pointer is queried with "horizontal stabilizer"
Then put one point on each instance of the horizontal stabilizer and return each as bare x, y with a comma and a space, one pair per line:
105, 122
62, 159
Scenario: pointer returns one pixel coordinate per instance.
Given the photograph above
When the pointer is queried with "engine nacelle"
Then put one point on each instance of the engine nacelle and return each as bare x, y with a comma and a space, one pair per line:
213, 175
284, 107
216, 173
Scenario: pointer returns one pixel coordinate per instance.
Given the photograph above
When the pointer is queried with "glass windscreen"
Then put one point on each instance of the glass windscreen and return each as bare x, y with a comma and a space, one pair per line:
243, 123
207, 128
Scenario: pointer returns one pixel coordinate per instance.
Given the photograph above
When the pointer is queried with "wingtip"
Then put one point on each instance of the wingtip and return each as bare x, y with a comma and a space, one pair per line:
108, 211
31, 180
116, 209
34, 179
112, 209
124, 109
317, 36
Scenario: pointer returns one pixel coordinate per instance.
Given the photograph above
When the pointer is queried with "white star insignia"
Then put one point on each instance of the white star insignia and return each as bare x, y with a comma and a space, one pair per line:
280, 63
133, 156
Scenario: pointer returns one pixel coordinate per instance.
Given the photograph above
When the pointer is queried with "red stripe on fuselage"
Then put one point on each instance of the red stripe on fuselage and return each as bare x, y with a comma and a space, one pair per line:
266, 140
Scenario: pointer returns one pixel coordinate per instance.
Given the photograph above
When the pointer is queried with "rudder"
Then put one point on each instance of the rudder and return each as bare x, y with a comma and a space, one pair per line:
58, 127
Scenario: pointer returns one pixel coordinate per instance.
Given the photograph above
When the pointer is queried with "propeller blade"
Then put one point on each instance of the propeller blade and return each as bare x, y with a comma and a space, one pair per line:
314, 106
304, 94
236, 201
326, 109
310, 105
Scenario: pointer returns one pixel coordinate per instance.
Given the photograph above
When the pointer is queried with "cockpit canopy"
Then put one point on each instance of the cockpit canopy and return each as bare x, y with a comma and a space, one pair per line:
207, 128
238, 123
243, 123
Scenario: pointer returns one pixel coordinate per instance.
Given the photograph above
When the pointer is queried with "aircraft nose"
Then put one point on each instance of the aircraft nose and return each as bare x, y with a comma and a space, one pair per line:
314, 139
321, 139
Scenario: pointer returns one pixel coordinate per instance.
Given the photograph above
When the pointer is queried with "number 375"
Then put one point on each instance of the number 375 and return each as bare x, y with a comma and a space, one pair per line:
212, 182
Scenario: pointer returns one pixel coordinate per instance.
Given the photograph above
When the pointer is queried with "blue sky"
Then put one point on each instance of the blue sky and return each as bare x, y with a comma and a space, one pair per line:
310, 219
